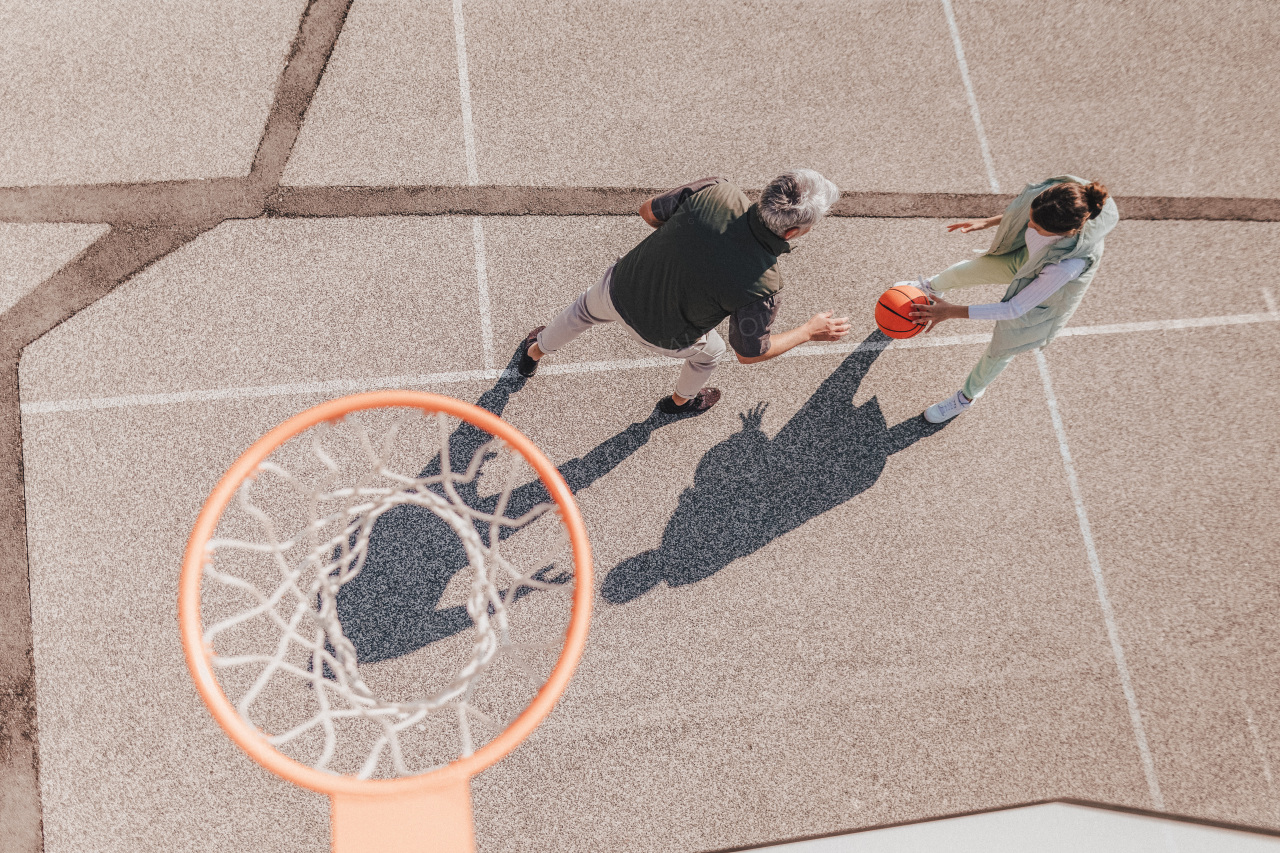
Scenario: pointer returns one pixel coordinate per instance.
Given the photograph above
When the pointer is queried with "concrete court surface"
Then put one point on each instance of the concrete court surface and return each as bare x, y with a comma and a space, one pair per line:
890, 647
29, 254
1153, 98
845, 673
137, 91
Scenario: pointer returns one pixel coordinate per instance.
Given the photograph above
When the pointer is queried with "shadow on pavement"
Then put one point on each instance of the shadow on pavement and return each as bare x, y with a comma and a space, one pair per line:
392, 607
749, 489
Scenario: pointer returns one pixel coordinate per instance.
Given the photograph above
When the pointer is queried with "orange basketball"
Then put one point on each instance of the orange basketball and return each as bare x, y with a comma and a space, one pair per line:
893, 311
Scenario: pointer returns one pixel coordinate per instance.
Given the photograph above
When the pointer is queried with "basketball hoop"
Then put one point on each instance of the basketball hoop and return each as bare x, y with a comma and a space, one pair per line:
294, 533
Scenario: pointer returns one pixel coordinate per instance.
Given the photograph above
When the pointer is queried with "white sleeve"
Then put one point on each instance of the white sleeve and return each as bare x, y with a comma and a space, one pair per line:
1045, 285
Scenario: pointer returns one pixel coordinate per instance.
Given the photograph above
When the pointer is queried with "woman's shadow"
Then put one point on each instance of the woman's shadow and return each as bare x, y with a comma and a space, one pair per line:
749, 489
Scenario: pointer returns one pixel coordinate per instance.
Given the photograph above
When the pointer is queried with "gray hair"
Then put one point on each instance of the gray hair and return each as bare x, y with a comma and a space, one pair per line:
796, 199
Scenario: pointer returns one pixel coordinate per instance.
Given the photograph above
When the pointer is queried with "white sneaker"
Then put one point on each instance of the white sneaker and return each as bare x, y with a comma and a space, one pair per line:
921, 283
954, 405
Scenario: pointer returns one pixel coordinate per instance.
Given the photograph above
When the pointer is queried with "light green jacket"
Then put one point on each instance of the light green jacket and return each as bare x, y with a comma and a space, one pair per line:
1041, 324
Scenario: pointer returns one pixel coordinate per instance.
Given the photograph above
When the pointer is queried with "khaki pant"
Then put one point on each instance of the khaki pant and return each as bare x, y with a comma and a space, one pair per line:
987, 269
596, 306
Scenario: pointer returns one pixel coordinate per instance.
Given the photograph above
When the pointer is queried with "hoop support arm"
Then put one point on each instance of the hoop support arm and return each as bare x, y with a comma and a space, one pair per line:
431, 820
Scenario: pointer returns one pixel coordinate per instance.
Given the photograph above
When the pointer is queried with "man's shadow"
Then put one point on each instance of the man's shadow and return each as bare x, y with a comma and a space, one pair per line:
749, 489
392, 607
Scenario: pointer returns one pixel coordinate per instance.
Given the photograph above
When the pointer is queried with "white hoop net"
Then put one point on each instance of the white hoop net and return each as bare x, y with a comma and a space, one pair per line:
387, 593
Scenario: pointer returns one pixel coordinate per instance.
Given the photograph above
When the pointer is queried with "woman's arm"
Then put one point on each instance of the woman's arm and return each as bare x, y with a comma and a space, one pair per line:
976, 224
1047, 283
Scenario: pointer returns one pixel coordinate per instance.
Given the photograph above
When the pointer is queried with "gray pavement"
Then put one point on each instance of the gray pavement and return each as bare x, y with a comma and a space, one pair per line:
1177, 464
890, 648
815, 614
1166, 98
386, 112
133, 91
619, 94
29, 254
279, 301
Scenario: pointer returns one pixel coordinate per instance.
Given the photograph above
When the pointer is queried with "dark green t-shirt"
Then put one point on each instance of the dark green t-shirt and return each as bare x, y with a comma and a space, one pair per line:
712, 255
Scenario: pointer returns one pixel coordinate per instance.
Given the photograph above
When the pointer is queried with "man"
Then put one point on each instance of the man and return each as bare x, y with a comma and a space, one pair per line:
713, 255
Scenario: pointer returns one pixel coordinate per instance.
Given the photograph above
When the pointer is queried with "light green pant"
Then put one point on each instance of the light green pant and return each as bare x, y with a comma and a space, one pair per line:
987, 269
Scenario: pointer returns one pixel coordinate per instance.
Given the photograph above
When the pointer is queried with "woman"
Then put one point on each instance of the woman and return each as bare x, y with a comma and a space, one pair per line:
1047, 250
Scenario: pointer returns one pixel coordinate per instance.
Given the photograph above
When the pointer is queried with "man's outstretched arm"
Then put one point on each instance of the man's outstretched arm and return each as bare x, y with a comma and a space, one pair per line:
752, 340
820, 327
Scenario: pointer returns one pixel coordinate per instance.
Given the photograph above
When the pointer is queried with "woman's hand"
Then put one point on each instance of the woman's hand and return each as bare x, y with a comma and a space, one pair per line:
934, 313
975, 224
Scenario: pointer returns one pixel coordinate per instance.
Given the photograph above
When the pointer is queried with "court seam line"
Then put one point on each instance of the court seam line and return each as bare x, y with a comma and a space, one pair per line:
1100, 586
452, 377
972, 96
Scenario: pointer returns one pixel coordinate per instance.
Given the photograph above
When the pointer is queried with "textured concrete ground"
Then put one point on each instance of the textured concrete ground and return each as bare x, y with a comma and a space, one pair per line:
136, 91
894, 623
916, 633
31, 253
1165, 98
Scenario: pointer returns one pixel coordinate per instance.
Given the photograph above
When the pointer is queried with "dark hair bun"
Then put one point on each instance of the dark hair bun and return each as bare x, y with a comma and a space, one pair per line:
1095, 196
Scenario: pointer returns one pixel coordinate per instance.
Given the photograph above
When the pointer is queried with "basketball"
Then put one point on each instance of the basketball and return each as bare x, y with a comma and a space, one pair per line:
893, 311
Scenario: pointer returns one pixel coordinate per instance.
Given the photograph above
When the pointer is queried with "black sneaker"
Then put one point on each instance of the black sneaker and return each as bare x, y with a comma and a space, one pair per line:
695, 405
528, 366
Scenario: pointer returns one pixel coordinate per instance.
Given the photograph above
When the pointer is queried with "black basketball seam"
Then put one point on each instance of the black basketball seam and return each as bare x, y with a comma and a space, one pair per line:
909, 296
896, 314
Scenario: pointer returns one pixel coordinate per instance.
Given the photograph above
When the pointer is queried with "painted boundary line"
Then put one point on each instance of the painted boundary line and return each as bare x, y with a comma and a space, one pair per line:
482, 286
464, 87
973, 98
1258, 745
473, 178
339, 386
1100, 584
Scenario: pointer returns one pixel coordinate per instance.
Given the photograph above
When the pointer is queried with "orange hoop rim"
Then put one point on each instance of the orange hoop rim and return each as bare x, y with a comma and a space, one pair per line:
199, 656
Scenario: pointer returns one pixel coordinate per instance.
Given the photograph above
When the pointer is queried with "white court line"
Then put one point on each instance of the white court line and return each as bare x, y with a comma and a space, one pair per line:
973, 99
919, 342
1108, 615
252, 392
431, 379
1168, 325
464, 85
1270, 298
1258, 745
482, 282
473, 178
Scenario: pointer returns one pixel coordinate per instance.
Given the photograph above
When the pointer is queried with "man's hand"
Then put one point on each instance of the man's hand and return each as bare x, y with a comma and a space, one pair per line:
939, 310
821, 327
975, 224
824, 327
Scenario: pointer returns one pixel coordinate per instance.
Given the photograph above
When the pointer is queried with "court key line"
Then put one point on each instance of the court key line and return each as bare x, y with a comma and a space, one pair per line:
338, 386
973, 98
1100, 584
1258, 745
464, 86
473, 179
